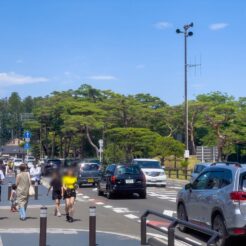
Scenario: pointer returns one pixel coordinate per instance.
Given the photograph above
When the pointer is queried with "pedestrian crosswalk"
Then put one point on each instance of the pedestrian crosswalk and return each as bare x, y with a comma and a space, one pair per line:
169, 195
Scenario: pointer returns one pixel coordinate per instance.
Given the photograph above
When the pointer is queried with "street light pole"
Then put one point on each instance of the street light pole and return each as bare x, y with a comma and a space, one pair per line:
186, 106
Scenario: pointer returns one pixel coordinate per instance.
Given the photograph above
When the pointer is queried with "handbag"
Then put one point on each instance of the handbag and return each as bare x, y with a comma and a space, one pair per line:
31, 191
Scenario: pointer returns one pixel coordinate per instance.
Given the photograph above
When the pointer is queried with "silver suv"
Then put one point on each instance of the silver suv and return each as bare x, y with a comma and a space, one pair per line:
216, 199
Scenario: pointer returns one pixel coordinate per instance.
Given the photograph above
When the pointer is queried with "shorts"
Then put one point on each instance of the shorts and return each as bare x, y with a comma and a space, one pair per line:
56, 195
69, 193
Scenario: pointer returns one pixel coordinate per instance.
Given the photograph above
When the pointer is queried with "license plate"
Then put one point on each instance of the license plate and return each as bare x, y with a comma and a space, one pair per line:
90, 180
129, 181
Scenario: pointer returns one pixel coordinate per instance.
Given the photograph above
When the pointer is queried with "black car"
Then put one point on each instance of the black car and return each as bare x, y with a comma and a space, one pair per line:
89, 173
122, 179
51, 165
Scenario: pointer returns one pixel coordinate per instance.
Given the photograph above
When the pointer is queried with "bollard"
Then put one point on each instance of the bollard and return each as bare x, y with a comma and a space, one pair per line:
9, 190
143, 231
36, 190
43, 226
92, 227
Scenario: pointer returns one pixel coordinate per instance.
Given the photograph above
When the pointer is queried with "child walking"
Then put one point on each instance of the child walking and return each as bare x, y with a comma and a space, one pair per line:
56, 185
13, 198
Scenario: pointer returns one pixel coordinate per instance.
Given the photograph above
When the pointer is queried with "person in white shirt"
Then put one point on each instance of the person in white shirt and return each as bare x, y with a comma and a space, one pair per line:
35, 173
2, 177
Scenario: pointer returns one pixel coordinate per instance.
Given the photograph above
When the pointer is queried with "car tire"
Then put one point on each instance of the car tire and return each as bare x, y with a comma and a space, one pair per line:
182, 215
109, 194
100, 192
218, 225
143, 195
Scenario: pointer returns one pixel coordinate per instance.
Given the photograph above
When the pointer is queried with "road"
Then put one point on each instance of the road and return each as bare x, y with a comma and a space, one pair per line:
120, 216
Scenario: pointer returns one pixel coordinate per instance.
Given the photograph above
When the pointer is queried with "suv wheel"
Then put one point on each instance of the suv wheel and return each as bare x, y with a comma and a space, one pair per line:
109, 194
99, 192
219, 226
143, 195
182, 215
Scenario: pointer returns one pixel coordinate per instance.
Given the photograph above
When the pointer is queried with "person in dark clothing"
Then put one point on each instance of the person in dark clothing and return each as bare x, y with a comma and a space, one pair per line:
56, 186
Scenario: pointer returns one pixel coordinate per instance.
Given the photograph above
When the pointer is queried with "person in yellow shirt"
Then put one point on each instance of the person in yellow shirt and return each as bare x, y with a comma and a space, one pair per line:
69, 182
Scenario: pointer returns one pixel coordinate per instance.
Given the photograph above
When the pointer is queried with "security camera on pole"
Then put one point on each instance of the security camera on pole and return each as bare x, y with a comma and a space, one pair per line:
100, 149
186, 34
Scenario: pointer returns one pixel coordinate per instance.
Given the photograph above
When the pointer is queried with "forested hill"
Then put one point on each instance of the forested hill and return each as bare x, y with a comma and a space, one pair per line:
70, 123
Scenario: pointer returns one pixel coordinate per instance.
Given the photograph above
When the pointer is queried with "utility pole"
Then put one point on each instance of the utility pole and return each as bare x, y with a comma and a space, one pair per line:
186, 106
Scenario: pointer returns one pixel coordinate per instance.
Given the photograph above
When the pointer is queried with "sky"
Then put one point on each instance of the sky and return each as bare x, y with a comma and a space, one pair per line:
128, 46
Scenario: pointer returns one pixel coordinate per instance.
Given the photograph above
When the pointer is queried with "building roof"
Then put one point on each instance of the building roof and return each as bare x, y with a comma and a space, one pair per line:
11, 149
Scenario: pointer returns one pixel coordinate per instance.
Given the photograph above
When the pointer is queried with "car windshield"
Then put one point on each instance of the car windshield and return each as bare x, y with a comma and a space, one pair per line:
90, 167
18, 160
148, 164
128, 170
199, 168
55, 162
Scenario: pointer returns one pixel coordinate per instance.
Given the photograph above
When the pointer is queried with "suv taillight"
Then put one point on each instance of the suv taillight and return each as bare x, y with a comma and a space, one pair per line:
238, 196
113, 179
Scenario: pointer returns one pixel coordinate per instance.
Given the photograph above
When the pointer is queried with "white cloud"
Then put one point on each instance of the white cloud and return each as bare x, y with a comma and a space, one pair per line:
102, 77
162, 25
218, 26
8, 79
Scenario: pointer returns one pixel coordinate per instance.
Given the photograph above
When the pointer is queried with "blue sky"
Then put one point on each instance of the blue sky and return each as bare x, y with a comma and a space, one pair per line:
129, 46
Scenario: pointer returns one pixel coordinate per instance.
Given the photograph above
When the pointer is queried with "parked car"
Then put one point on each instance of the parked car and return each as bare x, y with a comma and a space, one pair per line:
89, 173
122, 179
198, 169
216, 199
29, 158
154, 173
17, 162
51, 165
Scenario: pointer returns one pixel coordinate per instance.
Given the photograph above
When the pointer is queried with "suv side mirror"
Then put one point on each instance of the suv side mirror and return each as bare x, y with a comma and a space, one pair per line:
188, 186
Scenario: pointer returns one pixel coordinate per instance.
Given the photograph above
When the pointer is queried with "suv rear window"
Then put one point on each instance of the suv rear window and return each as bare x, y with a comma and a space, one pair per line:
148, 164
242, 185
128, 170
90, 167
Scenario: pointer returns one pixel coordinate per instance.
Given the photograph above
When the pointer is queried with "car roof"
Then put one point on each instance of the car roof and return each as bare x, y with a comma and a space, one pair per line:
144, 159
204, 164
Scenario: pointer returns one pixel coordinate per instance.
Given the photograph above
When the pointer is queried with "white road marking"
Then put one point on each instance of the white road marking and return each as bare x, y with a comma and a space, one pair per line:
86, 197
108, 206
99, 203
131, 216
169, 212
95, 189
37, 230
1, 241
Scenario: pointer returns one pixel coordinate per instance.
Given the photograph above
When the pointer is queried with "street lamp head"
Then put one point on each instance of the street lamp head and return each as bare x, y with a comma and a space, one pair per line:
190, 33
178, 31
191, 24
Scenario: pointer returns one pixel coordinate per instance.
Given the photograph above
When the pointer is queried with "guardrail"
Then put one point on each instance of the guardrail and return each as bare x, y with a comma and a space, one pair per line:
214, 235
179, 172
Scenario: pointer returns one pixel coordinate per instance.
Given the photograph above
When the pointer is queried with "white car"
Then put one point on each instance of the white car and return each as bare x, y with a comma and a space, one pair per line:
17, 162
29, 158
154, 173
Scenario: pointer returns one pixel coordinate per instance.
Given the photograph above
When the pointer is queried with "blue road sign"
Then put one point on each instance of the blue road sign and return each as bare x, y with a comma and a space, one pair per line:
27, 134
27, 146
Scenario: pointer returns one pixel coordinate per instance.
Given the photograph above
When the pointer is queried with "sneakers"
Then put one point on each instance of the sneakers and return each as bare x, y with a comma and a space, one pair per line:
70, 219
58, 214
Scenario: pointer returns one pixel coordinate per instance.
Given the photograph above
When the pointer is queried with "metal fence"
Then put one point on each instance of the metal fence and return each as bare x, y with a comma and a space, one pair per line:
214, 235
